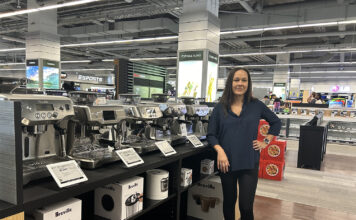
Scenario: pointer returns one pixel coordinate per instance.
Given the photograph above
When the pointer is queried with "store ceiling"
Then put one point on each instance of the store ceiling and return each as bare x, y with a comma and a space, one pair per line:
109, 20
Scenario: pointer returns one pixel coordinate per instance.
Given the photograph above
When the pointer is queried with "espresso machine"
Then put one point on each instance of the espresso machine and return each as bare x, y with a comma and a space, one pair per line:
197, 115
43, 124
170, 126
140, 129
95, 132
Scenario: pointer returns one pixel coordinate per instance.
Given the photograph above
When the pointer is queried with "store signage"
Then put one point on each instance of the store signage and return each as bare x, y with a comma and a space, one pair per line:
130, 157
212, 57
90, 78
279, 84
190, 55
31, 62
50, 63
337, 88
66, 173
195, 141
165, 148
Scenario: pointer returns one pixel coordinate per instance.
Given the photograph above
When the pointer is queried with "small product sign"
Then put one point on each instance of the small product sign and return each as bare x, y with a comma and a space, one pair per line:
195, 141
165, 148
66, 173
130, 157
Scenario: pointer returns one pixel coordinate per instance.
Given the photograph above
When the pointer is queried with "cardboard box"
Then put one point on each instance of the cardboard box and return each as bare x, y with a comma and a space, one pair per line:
207, 167
68, 209
205, 200
263, 129
186, 177
275, 151
120, 200
273, 170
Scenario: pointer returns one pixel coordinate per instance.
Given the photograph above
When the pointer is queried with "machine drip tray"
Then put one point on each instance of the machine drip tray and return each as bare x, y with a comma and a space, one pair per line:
36, 168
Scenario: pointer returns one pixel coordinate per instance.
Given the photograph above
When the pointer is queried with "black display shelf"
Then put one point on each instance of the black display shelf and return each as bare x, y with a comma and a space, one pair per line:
148, 205
7, 209
43, 193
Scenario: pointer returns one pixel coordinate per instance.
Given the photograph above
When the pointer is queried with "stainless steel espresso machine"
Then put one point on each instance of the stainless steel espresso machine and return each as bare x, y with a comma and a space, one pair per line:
43, 134
140, 131
170, 126
197, 115
95, 132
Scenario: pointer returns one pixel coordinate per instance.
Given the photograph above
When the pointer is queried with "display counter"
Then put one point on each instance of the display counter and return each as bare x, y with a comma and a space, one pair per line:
41, 193
341, 129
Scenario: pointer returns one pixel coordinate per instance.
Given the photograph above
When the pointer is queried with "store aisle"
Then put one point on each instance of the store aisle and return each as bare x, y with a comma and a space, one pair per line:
334, 187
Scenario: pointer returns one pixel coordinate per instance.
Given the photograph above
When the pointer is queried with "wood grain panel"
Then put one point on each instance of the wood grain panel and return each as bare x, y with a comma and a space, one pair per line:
19, 216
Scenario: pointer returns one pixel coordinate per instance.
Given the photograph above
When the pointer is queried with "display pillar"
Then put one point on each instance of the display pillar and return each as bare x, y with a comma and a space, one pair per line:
42, 48
198, 49
281, 76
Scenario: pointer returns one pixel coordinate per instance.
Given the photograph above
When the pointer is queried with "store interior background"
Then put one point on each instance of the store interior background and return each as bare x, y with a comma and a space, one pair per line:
319, 36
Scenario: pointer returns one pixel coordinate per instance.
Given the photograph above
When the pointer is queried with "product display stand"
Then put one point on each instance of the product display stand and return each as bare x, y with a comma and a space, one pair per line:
312, 146
41, 193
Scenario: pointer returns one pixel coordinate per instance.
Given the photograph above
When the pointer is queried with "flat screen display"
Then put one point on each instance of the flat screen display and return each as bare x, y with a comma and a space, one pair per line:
143, 91
32, 75
108, 115
50, 77
44, 107
190, 78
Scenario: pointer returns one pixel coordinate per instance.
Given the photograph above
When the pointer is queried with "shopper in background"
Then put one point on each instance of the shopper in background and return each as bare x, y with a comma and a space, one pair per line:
232, 132
265, 100
273, 97
311, 97
317, 99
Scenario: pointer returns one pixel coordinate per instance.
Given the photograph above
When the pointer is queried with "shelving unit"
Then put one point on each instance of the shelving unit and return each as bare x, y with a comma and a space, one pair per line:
41, 193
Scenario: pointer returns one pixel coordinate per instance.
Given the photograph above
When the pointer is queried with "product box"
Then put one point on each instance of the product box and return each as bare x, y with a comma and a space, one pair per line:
207, 167
275, 151
352, 114
120, 200
334, 113
68, 209
186, 177
263, 129
273, 170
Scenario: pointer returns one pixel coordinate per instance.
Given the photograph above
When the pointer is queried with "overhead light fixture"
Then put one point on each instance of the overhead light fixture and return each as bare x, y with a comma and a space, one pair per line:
151, 39
12, 69
153, 58
12, 49
83, 70
76, 61
289, 64
324, 72
11, 64
287, 52
45, 8
288, 27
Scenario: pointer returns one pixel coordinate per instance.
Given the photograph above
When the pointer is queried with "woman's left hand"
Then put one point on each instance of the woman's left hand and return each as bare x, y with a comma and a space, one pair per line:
259, 145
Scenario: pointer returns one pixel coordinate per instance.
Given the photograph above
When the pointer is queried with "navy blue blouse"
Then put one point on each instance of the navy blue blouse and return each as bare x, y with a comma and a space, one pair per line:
235, 134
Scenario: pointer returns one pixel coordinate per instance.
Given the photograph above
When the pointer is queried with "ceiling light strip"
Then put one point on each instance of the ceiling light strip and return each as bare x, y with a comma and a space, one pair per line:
288, 27
151, 39
45, 8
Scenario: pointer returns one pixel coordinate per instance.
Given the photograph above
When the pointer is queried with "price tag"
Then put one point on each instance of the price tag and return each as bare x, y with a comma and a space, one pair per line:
165, 148
66, 173
130, 157
195, 141
183, 128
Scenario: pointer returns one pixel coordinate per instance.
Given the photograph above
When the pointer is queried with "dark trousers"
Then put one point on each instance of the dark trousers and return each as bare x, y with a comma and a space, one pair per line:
247, 189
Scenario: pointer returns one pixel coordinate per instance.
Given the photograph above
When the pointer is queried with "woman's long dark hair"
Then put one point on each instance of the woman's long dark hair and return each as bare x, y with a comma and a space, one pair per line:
228, 96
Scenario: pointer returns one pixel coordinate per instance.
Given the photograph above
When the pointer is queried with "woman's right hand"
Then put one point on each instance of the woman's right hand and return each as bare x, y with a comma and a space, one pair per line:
222, 160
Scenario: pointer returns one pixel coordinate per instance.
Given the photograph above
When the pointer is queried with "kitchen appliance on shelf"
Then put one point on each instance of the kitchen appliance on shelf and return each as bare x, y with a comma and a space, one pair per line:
140, 123
43, 124
157, 184
198, 116
172, 126
95, 132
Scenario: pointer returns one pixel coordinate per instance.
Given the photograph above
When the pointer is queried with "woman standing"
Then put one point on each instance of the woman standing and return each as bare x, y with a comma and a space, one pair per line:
233, 134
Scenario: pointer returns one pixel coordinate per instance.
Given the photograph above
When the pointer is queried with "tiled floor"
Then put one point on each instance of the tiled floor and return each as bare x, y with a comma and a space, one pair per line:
331, 190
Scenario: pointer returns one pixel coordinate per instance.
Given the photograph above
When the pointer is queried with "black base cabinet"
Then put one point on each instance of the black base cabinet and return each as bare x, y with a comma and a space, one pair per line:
45, 192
